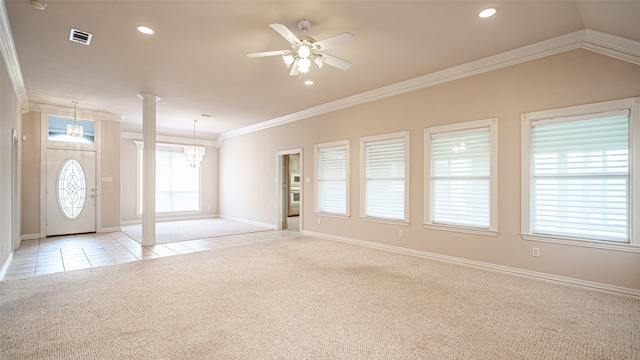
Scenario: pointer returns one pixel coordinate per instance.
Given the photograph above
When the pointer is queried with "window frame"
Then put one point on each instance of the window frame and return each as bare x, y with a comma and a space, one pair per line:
385, 138
82, 118
586, 111
162, 147
475, 126
332, 145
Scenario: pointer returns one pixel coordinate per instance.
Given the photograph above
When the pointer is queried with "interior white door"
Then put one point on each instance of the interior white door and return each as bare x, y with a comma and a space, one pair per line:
71, 192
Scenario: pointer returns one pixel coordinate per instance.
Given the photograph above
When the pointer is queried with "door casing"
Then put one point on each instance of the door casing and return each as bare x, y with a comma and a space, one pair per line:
282, 180
45, 144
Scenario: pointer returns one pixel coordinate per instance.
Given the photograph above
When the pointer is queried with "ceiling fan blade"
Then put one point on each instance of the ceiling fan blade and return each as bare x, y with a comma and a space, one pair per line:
285, 33
294, 69
337, 62
342, 39
270, 53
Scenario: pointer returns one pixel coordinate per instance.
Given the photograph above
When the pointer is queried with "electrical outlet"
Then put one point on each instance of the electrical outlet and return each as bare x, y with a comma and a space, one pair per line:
401, 233
318, 221
536, 252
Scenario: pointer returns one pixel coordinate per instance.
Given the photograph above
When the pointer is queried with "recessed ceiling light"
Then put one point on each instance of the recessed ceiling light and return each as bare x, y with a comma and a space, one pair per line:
145, 30
308, 82
488, 12
38, 4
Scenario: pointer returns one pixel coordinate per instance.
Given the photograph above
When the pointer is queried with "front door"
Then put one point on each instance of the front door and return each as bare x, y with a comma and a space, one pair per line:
71, 192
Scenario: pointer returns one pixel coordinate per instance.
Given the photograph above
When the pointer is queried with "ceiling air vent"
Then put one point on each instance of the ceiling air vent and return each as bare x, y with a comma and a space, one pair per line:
81, 37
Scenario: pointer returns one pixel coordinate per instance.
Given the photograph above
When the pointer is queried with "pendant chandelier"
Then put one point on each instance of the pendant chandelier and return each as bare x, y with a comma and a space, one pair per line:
194, 153
74, 129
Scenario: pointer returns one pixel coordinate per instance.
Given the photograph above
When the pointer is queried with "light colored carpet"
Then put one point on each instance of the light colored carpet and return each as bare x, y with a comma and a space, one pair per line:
306, 298
175, 231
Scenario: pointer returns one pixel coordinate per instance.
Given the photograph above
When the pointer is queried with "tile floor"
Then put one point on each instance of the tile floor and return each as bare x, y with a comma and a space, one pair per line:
66, 253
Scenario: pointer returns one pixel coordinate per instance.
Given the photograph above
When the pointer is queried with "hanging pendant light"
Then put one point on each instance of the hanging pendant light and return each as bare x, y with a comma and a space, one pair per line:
74, 129
194, 153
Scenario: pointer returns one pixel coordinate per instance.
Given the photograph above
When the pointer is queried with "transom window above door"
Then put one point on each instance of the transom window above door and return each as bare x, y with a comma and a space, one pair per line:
58, 130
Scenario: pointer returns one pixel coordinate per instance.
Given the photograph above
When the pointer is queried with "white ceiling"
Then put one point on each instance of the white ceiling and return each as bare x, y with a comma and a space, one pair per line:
196, 60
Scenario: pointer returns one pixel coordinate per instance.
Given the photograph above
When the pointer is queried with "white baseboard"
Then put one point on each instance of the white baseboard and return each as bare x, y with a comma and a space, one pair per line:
5, 266
130, 222
250, 222
30, 236
164, 219
109, 229
480, 264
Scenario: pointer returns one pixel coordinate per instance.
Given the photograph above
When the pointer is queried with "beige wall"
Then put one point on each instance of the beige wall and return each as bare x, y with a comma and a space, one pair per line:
9, 116
128, 184
31, 173
31, 159
110, 168
209, 168
248, 162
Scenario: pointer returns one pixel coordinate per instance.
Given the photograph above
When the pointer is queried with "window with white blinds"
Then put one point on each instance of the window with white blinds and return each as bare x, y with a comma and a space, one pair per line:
332, 179
580, 177
580, 180
385, 174
177, 183
460, 175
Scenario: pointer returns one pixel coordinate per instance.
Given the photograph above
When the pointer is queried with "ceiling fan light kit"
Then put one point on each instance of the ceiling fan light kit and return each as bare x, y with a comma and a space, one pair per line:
306, 49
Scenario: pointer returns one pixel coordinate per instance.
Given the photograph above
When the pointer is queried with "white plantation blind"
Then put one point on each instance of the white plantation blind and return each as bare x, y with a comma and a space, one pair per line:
580, 177
460, 178
384, 167
177, 183
332, 179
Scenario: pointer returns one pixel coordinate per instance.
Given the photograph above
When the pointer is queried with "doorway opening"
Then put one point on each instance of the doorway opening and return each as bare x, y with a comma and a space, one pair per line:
289, 190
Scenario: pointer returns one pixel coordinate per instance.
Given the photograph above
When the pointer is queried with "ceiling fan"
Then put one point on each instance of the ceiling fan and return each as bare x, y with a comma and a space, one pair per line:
306, 49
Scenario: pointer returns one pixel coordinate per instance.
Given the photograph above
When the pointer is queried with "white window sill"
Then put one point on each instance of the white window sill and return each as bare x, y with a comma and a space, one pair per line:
461, 229
607, 245
332, 215
384, 221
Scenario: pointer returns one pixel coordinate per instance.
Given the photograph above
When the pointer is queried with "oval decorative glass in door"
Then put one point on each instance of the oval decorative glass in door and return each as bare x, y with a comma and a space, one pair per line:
72, 189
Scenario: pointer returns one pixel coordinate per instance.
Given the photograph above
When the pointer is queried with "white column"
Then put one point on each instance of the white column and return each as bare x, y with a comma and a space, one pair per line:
149, 168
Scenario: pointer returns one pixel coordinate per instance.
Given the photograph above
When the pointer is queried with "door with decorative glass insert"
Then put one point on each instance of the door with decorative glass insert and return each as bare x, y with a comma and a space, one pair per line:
71, 192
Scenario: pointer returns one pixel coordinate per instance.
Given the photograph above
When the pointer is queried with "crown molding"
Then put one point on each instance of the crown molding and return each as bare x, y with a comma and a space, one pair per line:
10, 56
171, 140
613, 46
61, 110
616, 47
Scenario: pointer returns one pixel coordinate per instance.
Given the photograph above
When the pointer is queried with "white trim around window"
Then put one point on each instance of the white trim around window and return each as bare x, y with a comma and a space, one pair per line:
384, 178
461, 177
332, 179
583, 158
